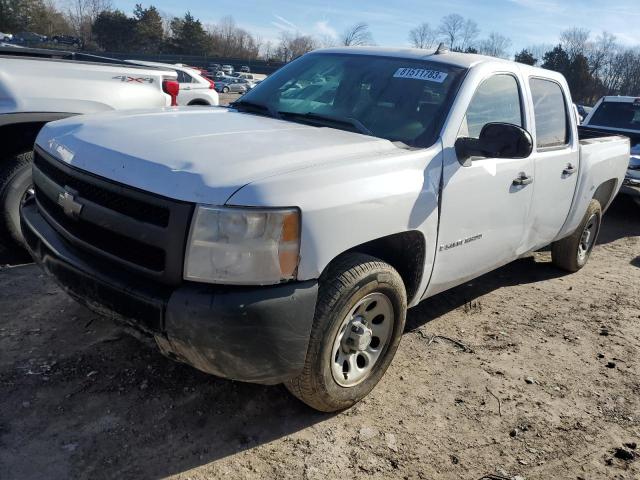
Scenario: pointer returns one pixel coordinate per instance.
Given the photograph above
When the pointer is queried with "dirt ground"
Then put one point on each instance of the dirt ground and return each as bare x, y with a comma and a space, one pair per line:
548, 388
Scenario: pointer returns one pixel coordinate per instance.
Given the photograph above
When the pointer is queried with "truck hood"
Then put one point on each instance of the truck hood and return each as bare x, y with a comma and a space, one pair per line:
198, 154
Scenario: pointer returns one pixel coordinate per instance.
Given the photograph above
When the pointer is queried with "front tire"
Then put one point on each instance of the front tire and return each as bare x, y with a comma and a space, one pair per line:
359, 320
15, 186
572, 253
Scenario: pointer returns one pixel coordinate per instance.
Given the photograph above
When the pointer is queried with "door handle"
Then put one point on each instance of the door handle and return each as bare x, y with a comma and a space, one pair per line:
523, 179
570, 169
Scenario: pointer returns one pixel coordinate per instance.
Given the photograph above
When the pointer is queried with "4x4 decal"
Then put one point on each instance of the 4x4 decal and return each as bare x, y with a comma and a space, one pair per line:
126, 78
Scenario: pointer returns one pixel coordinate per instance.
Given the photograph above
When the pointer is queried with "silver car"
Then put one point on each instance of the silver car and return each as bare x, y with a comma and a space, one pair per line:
231, 85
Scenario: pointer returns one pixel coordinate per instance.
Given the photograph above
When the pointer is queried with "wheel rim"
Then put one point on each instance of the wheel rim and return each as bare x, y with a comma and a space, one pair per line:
29, 192
588, 237
361, 339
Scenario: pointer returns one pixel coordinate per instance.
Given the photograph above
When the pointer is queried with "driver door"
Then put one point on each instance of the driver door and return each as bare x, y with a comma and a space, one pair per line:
483, 212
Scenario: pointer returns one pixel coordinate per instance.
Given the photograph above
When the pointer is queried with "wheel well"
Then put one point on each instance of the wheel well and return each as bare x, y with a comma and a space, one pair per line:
197, 102
403, 251
604, 193
19, 137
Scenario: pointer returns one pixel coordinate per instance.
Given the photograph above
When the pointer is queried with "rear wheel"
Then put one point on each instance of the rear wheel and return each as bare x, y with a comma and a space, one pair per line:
225, 89
571, 253
15, 188
358, 324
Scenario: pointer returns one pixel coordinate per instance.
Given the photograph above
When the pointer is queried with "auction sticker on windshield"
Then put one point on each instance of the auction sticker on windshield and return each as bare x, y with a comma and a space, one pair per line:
420, 74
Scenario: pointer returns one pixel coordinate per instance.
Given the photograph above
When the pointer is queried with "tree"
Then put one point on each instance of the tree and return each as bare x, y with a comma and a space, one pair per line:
470, 32
495, 45
526, 57
579, 79
423, 36
575, 41
450, 29
149, 32
292, 46
83, 13
458, 33
114, 31
556, 59
188, 36
40, 16
357, 35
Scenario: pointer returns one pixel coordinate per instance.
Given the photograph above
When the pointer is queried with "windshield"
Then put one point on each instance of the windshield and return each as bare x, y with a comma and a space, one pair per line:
393, 98
623, 115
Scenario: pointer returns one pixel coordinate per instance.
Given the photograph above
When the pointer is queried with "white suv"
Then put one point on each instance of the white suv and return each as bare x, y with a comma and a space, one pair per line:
195, 89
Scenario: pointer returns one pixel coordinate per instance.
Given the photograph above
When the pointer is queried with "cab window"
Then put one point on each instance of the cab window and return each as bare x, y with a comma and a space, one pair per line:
497, 99
550, 111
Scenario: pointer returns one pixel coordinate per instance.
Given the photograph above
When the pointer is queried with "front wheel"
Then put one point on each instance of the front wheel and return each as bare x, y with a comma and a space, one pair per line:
15, 187
358, 324
571, 253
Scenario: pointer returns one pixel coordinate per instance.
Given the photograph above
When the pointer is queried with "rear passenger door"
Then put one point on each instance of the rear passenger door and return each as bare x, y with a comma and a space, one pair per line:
556, 160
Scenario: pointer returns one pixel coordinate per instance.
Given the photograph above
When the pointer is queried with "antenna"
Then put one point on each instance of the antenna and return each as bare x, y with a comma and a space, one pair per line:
442, 48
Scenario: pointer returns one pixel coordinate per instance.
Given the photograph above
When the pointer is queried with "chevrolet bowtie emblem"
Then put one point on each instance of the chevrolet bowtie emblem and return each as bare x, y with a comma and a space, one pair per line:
67, 200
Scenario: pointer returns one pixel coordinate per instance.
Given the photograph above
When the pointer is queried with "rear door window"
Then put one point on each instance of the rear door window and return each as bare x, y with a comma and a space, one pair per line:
550, 111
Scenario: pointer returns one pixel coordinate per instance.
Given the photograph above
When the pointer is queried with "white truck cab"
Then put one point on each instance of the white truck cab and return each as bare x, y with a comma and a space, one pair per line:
283, 239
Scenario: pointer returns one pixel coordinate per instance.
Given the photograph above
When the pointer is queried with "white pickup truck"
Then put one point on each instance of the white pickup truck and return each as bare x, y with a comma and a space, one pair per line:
619, 115
39, 85
283, 239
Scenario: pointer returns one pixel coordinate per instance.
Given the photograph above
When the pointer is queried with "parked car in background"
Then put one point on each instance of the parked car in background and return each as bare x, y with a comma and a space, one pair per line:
228, 69
283, 239
245, 69
76, 83
214, 67
6, 37
29, 38
67, 40
620, 115
231, 85
195, 88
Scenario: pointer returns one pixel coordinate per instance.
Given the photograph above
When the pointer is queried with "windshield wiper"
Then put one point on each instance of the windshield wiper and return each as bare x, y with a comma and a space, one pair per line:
254, 107
312, 117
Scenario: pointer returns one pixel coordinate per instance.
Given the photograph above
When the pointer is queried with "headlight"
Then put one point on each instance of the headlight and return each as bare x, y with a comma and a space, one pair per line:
243, 246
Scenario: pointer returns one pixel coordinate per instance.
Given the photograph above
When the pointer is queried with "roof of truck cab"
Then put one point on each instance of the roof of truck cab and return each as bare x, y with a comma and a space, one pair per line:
457, 59
464, 60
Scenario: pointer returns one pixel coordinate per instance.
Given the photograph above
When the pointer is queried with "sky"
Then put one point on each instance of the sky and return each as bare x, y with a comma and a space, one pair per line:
526, 22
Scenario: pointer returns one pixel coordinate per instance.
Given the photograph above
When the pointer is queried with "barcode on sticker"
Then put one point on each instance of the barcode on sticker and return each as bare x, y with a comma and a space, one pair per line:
420, 74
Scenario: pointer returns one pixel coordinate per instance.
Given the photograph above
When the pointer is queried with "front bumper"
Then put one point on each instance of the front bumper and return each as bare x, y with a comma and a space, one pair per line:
253, 334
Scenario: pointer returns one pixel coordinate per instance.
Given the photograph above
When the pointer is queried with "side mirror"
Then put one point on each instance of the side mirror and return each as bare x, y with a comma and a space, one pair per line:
497, 140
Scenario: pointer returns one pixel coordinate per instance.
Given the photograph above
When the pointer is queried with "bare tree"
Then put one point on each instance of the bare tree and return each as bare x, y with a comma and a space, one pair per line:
423, 36
450, 29
82, 14
575, 41
495, 45
604, 46
539, 50
470, 32
357, 35
292, 46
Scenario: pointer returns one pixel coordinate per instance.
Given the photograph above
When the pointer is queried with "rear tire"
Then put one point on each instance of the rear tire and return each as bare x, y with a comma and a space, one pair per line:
349, 352
15, 182
572, 253
225, 89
